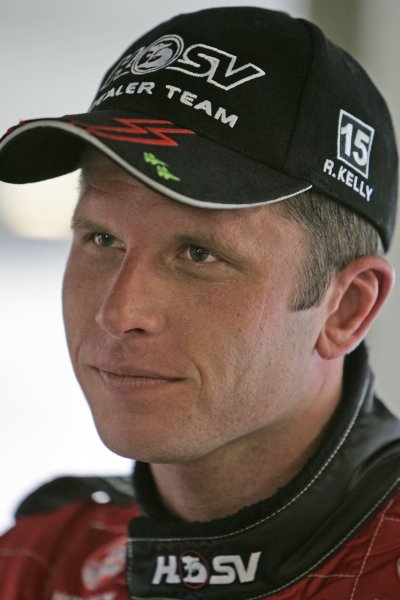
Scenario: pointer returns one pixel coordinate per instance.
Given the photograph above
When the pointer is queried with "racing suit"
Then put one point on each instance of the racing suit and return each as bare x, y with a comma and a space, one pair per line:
333, 533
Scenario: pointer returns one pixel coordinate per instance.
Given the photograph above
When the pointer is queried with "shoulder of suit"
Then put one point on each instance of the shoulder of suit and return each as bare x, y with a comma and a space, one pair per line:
64, 490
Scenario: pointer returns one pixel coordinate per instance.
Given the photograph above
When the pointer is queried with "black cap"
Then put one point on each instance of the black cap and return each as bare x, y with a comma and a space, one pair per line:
229, 108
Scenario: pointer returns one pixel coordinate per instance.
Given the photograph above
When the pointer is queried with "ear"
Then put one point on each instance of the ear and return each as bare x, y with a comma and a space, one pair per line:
352, 301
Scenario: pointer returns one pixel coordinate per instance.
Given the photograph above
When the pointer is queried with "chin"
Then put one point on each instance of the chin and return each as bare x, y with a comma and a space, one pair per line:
150, 448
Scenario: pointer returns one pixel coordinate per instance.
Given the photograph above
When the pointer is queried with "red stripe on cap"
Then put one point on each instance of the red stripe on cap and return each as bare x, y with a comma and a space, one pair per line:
136, 131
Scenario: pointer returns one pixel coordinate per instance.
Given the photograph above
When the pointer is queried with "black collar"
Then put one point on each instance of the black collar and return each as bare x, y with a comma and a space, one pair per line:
267, 547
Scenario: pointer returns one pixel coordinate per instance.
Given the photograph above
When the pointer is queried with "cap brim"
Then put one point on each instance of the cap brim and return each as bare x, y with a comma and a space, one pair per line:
174, 161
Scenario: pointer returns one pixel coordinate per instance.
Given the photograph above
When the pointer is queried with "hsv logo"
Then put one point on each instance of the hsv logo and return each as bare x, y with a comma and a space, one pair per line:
158, 55
220, 68
138, 131
194, 571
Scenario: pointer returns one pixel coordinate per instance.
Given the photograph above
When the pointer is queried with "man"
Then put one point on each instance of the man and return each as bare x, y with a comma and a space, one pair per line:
238, 192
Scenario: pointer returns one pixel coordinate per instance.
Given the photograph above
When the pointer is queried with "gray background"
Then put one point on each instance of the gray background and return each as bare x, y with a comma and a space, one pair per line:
52, 57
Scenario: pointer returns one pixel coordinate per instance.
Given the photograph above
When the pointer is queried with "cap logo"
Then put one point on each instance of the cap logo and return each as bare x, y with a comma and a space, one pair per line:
217, 65
152, 132
199, 60
158, 55
160, 166
354, 142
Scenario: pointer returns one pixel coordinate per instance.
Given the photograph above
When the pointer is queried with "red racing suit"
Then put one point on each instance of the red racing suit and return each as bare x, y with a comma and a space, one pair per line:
333, 533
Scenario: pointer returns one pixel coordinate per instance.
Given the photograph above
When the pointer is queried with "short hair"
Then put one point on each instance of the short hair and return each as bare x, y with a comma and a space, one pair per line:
336, 236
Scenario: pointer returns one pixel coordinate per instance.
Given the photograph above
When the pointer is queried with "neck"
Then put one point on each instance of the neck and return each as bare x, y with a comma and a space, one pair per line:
252, 468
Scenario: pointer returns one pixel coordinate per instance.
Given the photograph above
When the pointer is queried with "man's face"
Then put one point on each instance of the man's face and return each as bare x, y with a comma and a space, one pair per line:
179, 319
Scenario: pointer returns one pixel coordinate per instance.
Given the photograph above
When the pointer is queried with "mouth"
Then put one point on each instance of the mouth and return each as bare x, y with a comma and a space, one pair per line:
132, 380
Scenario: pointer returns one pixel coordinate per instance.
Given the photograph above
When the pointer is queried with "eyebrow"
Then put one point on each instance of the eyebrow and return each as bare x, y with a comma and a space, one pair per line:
199, 237
78, 222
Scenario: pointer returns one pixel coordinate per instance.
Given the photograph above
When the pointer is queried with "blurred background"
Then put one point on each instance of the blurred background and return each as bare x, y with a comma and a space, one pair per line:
52, 57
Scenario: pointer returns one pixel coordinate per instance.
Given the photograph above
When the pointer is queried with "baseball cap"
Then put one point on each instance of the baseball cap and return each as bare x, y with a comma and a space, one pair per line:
229, 108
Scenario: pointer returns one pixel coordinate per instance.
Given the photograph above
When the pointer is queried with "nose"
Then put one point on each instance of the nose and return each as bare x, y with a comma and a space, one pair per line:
133, 302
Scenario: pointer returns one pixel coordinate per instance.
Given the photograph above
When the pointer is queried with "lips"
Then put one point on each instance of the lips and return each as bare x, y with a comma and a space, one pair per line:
132, 379
121, 371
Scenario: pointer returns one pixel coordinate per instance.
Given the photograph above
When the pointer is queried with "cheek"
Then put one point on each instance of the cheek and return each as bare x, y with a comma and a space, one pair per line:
247, 342
79, 298
70, 306
229, 340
